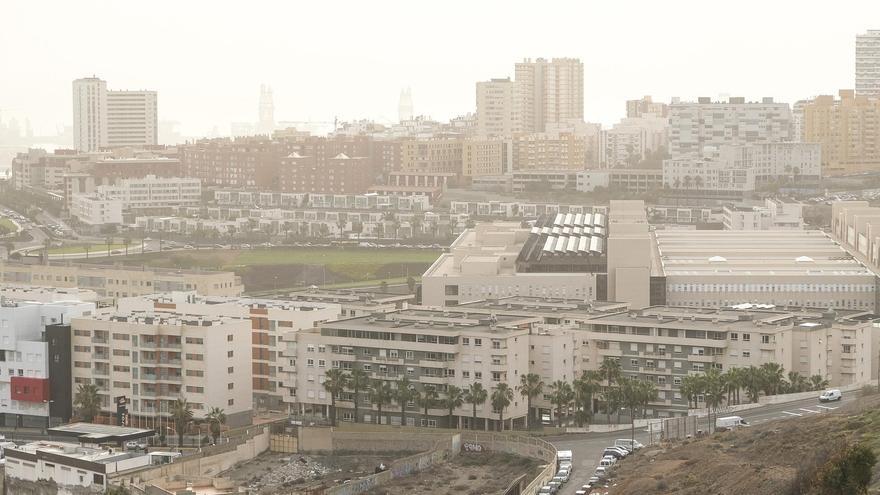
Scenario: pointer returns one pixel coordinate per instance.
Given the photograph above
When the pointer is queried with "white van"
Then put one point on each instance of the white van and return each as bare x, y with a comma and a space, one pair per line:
830, 395
606, 463
730, 423
564, 456
602, 472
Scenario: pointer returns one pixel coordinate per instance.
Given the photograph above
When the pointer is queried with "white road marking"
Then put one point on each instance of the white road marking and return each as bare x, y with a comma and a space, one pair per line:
808, 410
827, 408
791, 413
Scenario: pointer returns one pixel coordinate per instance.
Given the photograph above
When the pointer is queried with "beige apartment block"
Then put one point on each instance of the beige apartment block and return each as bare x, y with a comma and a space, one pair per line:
664, 344
155, 359
438, 155
121, 281
848, 129
562, 151
433, 349
485, 157
269, 320
550, 91
498, 108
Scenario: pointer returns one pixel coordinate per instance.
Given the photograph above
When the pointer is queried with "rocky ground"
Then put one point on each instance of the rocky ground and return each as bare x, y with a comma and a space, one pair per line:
770, 459
273, 473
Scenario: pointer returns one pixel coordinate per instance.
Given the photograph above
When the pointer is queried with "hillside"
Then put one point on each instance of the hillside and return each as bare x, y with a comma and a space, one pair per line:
770, 459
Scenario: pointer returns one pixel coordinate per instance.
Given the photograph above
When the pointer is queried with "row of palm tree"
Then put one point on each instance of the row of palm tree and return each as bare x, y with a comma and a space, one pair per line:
769, 379
88, 407
384, 393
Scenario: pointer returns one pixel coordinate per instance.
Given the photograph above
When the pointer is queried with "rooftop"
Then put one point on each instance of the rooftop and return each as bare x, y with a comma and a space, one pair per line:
730, 253
434, 320
96, 433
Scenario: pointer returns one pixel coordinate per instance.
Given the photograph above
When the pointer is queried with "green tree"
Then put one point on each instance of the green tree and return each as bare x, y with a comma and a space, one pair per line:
335, 382
502, 396
476, 395
358, 381
772, 377
182, 416
126, 242
381, 393
452, 400
530, 386
426, 400
630, 399
216, 419
411, 284
87, 402
585, 388
561, 396
849, 473
713, 393
612, 400
403, 394
610, 369
817, 382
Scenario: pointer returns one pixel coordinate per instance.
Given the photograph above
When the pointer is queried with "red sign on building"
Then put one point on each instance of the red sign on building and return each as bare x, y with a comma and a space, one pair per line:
29, 389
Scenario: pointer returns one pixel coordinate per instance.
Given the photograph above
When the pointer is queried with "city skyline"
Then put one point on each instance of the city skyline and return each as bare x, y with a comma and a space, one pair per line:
819, 51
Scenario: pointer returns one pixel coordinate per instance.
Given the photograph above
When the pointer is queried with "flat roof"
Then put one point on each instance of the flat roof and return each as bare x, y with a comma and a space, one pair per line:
95, 433
447, 320
773, 252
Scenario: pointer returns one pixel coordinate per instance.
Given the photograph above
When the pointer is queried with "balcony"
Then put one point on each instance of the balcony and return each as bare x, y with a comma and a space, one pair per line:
104, 356
99, 340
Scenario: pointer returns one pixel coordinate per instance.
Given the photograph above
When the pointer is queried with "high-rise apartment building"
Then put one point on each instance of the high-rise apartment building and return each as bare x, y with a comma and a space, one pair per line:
498, 112
706, 123
848, 130
868, 64
104, 118
132, 118
550, 91
89, 114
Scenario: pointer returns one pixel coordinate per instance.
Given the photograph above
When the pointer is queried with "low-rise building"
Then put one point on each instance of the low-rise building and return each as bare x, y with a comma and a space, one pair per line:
121, 281
156, 358
772, 215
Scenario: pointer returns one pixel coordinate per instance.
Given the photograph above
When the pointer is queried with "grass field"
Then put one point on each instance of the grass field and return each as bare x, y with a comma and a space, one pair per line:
6, 226
268, 269
80, 248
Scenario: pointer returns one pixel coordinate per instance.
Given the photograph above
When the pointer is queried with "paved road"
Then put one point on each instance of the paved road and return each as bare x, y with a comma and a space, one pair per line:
587, 448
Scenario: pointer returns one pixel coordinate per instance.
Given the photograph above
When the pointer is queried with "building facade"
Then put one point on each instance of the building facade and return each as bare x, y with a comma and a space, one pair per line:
848, 129
550, 91
103, 119
868, 64
498, 108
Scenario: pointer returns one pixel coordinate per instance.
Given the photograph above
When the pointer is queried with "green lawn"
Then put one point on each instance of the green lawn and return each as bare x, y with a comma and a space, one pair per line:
6, 226
80, 248
332, 256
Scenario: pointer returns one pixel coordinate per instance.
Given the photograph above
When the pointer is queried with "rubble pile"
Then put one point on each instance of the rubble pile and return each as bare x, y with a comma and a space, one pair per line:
293, 471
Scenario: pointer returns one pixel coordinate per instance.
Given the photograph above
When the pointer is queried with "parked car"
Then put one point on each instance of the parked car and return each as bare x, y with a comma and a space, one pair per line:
555, 484
830, 395
559, 479
606, 463
628, 443
548, 490
564, 473
134, 445
602, 472
618, 454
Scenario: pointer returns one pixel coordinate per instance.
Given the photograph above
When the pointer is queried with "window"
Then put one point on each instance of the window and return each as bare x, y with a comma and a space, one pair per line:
496, 376
478, 375
310, 363
634, 363
230, 337
765, 339
465, 341
230, 370
321, 363
409, 355
230, 353
199, 373
734, 336
478, 342
230, 402
465, 374
747, 354
676, 380
496, 344
747, 337
230, 386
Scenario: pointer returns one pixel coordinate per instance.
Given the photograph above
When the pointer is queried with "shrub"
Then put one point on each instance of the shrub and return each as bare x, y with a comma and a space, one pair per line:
849, 472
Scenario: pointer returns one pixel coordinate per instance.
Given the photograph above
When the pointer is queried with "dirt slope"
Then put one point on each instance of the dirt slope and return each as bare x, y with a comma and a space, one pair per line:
762, 460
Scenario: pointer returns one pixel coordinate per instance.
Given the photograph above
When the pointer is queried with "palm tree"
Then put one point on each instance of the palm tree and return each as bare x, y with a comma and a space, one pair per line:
476, 395
403, 394
426, 400
126, 242
817, 382
530, 386
797, 382
452, 400
611, 398
381, 394
630, 399
502, 396
335, 382
713, 393
584, 389
561, 396
610, 370
87, 402
216, 418
359, 380
773, 377
182, 416
689, 389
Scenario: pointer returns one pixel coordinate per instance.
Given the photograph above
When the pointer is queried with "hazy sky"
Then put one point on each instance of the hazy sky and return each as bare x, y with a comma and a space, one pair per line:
350, 59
